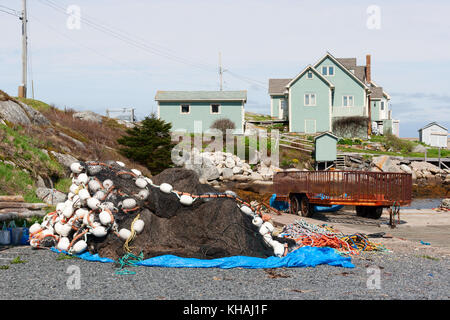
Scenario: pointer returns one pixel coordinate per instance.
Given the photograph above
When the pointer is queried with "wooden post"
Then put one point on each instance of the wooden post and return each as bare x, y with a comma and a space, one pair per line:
439, 158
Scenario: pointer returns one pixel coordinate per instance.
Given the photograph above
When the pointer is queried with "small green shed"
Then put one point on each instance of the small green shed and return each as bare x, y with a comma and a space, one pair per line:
326, 147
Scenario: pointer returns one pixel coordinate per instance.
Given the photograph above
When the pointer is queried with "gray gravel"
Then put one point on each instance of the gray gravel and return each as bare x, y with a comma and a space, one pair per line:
402, 276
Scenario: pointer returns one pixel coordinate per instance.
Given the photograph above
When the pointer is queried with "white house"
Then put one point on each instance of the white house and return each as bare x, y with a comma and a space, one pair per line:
434, 135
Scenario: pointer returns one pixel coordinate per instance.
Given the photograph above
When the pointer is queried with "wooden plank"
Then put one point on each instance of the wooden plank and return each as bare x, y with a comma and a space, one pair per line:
301, 144
32, 206
286, 146
21, 215
11, 199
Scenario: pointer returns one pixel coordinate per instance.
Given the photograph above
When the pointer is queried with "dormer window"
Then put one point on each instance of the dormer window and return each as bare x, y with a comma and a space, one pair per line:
309, 75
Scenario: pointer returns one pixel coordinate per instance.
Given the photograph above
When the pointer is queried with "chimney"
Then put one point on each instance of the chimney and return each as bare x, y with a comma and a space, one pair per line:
368, 69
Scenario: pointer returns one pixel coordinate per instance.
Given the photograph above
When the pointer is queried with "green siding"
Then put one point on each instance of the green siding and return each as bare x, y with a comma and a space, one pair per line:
306, 118
326, 148
345, 85
375, 110
275, 103
199, 111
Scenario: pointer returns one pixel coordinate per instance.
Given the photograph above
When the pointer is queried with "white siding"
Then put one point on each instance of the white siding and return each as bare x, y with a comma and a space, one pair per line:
435, 136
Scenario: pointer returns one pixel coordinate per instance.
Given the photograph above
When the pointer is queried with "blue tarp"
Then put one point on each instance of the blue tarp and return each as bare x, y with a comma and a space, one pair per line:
279, 205
302, 257
333, 208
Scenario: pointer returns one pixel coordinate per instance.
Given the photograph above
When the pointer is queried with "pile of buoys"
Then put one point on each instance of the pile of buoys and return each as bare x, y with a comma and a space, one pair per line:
93, 205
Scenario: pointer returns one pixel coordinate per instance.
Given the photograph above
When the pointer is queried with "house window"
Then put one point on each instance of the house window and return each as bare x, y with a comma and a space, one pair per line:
382, 105
328, 70
185, 108
310, 75
347, 101
215, 108
310, 99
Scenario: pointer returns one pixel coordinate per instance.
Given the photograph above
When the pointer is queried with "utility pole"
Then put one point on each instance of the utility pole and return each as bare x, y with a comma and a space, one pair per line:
220, 71
23, 88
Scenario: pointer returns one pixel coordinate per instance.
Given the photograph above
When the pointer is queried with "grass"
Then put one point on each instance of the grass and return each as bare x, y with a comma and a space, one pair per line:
16, 181
36, 104
429, 257
63, 256
17, 260
4, 267
63, 185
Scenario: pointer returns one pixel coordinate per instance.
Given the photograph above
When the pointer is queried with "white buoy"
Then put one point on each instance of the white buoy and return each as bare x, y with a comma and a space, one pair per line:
63, 244
268, 226
107, 184
141, 183
148, 180
68, 209
278, 248
99, 231
107, 205
84, 194
166, 188
82, 178
143, 194
257, 221
105, 217
268, 239
64, 230
248, 211
100, 195
138, 225
94, 185
186, 200
73, 188
35, 228
60, 207
124, 234
76, 167
136, 172
120, 163
129, 203
80, 213
58, 227
93, 203
79, 247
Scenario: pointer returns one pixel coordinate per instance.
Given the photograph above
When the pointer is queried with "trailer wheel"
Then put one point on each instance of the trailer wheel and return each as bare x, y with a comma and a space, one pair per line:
362, 211
306, 207
294, 206
375, 212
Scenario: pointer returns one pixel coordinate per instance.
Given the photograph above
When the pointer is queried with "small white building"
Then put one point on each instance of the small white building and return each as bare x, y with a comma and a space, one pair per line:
434, 135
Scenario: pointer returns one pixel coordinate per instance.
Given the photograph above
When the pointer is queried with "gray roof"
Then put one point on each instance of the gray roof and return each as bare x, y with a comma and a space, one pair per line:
377, 92
201, 96
433, 124
349, 63
360, 72
278, 86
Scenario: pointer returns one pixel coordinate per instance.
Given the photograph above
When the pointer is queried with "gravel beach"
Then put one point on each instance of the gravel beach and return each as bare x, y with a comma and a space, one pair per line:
402, 276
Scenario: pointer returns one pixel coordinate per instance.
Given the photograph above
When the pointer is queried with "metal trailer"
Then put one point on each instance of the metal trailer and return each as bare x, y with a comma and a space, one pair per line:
369, 192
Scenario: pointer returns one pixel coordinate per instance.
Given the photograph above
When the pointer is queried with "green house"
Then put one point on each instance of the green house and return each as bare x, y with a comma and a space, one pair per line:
332, 88
326, 147
196, 111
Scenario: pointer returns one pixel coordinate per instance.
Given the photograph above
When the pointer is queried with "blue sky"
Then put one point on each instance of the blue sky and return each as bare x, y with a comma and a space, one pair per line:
180, 40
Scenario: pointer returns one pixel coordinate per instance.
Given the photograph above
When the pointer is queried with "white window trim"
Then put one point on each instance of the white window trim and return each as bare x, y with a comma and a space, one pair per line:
382, 105
312, 75
328, 70
181, 108
315, 100
210, 108
353, 101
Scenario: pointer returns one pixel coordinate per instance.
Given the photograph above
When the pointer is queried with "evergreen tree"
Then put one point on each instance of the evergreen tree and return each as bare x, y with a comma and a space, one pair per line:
149, 144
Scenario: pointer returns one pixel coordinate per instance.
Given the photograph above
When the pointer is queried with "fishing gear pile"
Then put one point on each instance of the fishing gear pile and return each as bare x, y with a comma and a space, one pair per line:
306, 234
112, 211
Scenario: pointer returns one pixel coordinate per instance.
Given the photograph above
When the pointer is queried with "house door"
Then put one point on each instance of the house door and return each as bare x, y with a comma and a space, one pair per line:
310, 126
283, 111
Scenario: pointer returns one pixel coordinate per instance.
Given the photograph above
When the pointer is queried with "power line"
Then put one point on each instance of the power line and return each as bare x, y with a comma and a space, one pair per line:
12, 14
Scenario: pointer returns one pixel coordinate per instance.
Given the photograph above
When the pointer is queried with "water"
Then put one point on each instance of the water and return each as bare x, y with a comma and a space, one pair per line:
424, 203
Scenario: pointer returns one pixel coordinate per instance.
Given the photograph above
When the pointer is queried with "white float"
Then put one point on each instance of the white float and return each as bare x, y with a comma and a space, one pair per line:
63, 244
257, 221
84, 194
247, 210
120, 163
82, 178
129, 203
138, 225
35, 228
143, 194
99, 231
107, 184
93, 203
105, 217
186, 200
76, 167
141, 183
166, 188
136, 172
124, 234
94, 185
79, 247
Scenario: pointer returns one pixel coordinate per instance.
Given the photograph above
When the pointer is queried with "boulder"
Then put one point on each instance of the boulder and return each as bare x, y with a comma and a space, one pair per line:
50, 196
65, 159
419, 149
405, 168
13, 113
445, 203
35, 116
88, 116
227, 173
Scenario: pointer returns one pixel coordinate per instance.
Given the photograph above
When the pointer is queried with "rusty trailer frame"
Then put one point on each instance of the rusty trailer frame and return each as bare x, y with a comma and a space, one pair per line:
358, 188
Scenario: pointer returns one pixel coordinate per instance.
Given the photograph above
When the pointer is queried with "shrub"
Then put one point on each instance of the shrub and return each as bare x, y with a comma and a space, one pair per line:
351, 127
223, 125
149, 144
396, 144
